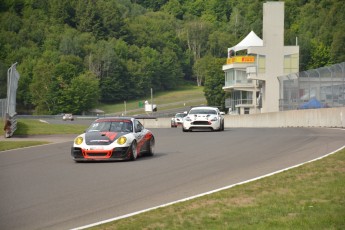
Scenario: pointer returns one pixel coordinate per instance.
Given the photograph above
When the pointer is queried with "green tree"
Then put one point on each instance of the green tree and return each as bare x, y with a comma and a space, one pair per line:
154, 29
148, 70
214, 81
88, 18
174, 8
320, 55
200, 69
41, 86
196, 36
154, 5
218, 42
3, 80
24, 94
64, 73
111, 18
171, 71
82, 94
338, 45
105, 63
63, 12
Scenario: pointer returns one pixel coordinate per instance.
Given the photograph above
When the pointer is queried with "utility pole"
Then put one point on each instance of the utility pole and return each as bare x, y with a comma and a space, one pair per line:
125, 108
151, 103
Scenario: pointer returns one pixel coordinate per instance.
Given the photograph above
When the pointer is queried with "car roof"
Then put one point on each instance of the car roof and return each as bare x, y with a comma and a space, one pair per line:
204, 107
114, 119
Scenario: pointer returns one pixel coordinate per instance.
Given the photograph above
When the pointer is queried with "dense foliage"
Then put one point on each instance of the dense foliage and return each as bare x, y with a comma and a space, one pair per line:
73, 54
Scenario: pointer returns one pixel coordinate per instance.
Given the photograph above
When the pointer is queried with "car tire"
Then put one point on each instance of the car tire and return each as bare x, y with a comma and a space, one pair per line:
220, 127
133, 153
151, 147
184, 130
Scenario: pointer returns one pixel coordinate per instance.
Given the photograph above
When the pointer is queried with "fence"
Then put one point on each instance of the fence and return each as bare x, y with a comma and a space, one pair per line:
312, 89
3, 108
8, 106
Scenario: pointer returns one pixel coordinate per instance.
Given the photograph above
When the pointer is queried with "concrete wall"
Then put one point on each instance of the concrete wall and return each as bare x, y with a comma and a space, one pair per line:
330, 117
327, 117
162, 122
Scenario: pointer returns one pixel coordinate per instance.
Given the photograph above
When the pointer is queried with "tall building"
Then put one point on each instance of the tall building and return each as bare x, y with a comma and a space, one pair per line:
252, 77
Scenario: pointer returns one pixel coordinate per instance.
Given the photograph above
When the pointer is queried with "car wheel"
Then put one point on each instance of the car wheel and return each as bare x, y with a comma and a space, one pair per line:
184, 130
151, 147
220, 127
133, 152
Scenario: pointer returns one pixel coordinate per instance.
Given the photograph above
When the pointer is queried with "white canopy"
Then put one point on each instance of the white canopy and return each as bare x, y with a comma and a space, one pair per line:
250, 40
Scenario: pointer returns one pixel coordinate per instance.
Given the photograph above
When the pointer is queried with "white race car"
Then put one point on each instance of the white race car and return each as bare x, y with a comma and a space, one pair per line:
68, 116
113, 138
177, 119
203, 118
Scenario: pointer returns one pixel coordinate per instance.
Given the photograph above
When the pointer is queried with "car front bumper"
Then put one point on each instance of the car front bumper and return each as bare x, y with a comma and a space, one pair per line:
201, 124
118, 153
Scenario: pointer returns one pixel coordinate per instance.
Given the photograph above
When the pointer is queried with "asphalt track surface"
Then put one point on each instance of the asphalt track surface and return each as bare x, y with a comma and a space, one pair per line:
43, 188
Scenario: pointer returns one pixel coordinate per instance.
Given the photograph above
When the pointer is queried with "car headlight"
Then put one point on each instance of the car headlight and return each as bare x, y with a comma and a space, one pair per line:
214, 119
121, 140
78, 140
188, 119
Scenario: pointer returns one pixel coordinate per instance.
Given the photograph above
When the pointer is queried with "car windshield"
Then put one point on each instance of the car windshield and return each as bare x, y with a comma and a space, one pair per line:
111, 126
180, 115
202, 111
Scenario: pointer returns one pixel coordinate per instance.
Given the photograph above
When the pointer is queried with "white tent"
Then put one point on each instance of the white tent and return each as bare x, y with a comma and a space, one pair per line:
250, 40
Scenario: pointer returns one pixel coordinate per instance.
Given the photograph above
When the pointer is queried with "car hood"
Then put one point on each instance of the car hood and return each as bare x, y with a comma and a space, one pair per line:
202, 117
102, 138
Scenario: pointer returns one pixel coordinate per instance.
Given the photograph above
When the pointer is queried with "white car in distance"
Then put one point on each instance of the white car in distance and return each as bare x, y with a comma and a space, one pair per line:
67, 116
203, 118
177, 119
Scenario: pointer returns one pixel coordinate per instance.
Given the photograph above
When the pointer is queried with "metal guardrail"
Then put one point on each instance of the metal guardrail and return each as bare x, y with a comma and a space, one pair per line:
9, 108
13, 121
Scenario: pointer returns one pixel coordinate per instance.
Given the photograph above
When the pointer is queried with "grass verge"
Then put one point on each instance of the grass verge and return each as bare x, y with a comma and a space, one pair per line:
182, 94
35, 127
7, 145
308, 197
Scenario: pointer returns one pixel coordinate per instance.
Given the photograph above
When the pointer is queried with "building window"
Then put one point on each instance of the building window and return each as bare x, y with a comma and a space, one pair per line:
261, 63
229, 77
241, 76
291, 63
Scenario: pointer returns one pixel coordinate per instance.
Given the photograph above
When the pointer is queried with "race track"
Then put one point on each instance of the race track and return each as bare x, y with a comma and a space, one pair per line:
42, 187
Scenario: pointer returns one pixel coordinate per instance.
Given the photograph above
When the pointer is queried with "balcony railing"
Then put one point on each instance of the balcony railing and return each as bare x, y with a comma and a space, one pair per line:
232, 103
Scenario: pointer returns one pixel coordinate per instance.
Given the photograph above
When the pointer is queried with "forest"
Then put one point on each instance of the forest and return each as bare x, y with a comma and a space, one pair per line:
75, 54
